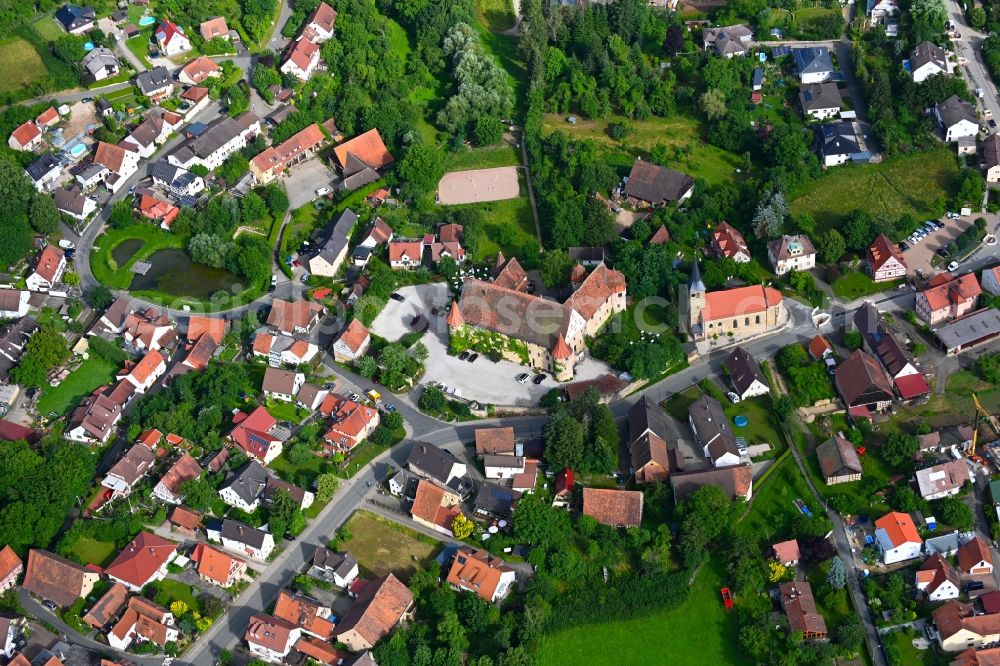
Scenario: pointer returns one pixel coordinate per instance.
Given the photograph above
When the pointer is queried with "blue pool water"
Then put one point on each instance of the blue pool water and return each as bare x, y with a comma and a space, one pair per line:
741, 421
89, 46
77, 150
147, 20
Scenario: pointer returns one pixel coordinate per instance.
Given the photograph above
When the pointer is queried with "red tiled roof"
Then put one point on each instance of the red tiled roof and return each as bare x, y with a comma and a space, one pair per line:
728, 242
660, 236
149, 363
354, 335
367, 147
477, 571
26, 133
596, 289
109, 155
324, 16
455, 318
48, 262
150, 438
786, 551
169, 30
739, 302
47, 116
881, 250
276, 158
304, 612
9, 561
214, 27
954, 291
185, 517
818, 346
971, 553
377, 610
911, 386
185, 469
899, 527
201, 68
141, 558
302, 53
613, 507
252, 432
52, 577
561, 351
195, 93
270, 632
494, 441
157, 209
215, 564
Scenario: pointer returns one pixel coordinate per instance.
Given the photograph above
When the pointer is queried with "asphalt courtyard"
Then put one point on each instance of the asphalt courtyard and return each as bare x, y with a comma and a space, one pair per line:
918, 257
302, 181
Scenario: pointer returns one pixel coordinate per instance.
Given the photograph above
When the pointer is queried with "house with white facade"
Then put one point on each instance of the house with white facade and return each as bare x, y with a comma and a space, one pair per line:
791, 253
957, 118
896, 538
241, 538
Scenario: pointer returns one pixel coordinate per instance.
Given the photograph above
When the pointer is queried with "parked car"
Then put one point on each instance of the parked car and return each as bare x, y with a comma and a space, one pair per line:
396, 296
973, 585
48, 604
522, 378
939, 224
903, 246
323, 191
66, 245
952, 266
539, 378
733, 397
941, 252
463, 355
390, 408
472, 357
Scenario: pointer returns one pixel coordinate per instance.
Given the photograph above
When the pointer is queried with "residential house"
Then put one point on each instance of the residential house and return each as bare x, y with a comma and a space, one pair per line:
712, 433
143, 561
281, 384
729, 243
937, 579
185, 520
101, 63
352, 343
800, 608
899, 364
734, 314
177, 181
45, 172
271, 639
896, 538
307, 613
435, 506
791, 253
284, 350
819, 348
838, 143
144, 374
11, 568
13, 339
218, 567
168, 489
729, 41
378, 233
338, 568
502, 467
975, 557
143, 621
106, 609
495, 442
301, 59
171, 39
214, 28
411, 254
434, 463
198, 71
957, 118
617, 508
156, 83
74, 203
863, 385
204, 337
812, 64
311, 396
991, 280
947, 297
654, 185
820, 100
958, 628
481, 573
128, 471
290, 317
360, 158
76, 20
25, 137
146, 329
157, 210
786, 552
243, 488
944, 480
95, 418
56, 579
240, 537
302, 498
971, 330
320, 23
838, 460
193, 101
48, 270
89, 177
928, 59
495, 502
351, 423
989, 149
649, 429
258, 434
121, 162
745, 374
332, 249
220, 140
974, 657
879, 10
274, 160
884, 261
379, 607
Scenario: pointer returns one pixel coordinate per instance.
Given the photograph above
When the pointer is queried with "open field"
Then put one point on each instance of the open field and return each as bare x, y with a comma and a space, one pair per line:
478, 185
507, 226
486, 157
917, 184
47, 28
683, 133
772, 504
383, 547
92, 373
856, 285
89, 551
22, 64
696, 633
496, 15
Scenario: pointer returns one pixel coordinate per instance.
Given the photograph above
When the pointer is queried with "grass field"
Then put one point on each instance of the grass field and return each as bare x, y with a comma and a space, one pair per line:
682, 133
286, 411
496, 15
92, 373
47, 28
507, 226
772, 504
504, 49
917, 184
22, 64
487, 157
178, 591
90, 551
697, 633
857, 285
140, 47
382, 546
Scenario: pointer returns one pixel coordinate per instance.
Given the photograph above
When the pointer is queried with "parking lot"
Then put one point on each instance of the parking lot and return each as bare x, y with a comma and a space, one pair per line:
918, 257
483, 380
302, 181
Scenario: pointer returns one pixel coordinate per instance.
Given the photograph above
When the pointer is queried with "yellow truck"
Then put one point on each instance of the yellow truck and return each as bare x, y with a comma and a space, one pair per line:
375, 396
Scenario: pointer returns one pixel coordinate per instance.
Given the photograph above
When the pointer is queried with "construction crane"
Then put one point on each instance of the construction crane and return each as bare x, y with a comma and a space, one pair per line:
984, 413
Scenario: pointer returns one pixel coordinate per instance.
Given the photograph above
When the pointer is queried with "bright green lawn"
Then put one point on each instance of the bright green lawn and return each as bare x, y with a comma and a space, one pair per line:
507, 226
497, 15
303, 221
286, 411
90, 551
857, 285
120, 277
22, 64
140, 47
917, 184
773, 502
697, 633
177, 591
700, 159
482, 158
304, 474
504, 49
48, 29
92, 373
759, 429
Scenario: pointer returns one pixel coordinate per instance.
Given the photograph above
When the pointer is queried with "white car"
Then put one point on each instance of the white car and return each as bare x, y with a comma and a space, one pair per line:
323, 191
66, 245
522, 378
733, 397
952, 266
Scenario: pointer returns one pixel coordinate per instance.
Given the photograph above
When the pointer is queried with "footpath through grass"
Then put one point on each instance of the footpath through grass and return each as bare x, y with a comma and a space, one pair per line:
92, 373
696, 633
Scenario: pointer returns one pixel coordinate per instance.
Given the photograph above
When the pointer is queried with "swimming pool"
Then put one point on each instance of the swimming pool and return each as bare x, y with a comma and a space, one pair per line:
89, 46
147, 20
78, 149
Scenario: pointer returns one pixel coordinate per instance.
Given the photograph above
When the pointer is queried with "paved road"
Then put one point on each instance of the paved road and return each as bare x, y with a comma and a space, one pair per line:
969, 47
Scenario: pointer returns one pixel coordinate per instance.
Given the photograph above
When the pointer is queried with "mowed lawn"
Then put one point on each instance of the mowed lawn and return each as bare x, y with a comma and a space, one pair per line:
699, 159
486, 157
21, 62
857, 285
507, 225
697, 633
384, 547
912, 184
91, 551
92, 373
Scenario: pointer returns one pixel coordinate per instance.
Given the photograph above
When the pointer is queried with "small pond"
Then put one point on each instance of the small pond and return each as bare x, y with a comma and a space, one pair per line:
173, 272
126, 250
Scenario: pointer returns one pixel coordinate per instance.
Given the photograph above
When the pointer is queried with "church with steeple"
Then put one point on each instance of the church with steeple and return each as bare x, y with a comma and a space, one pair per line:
734, 314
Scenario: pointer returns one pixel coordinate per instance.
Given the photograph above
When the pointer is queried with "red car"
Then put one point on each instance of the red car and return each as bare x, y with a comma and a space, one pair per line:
727, 598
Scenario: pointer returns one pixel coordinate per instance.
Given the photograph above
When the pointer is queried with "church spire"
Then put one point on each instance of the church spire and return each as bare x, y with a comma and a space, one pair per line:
696, 285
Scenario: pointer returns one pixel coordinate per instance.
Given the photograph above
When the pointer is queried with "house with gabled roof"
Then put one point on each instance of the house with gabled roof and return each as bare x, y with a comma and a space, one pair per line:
56, 579
11, 567
733, 314
712, 432
351, 423
281, 349
218, 567
75, 19
258, 434
863, 384
184, 469
242, 538
975, 557
198, 71
745, 374
101, 63
820, 100
786, 552
25, 137
171, 39
728, 243
337, 568
928, 59
214, 28
320, 23
106, 609
359, 160
838, 460
959, 628
654, 185
270, 638
377, 610
957, 118
943, 480
299, 147
352, 343
812, 64
481, 573
729, 41
122, 162
95, 418
838, 143
143, 621
291, 317
142, 561
800, 608
435, 506
48, 269
306, 613
45, 171
73, 203
937, 579
617, 508
281, 384
896, 538
137, 462
243, 488
791, 253
948, 297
